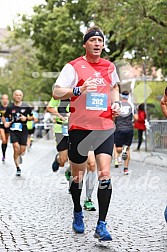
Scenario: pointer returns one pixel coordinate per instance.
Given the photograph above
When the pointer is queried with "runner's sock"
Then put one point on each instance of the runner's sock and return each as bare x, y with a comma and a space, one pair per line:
3, 146
104, 196
76, 189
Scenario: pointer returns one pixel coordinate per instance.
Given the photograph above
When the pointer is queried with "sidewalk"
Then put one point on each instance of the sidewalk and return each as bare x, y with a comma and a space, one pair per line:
147, 157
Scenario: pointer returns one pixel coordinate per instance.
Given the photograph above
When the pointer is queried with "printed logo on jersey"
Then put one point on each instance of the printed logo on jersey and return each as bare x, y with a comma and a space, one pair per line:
98, 79
97, 74
126, 110
17, 116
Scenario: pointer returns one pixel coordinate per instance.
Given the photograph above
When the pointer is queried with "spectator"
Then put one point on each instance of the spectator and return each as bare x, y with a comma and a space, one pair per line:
140, 124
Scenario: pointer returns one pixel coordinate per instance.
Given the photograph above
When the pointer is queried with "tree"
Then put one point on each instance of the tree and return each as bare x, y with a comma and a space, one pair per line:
138, 27
23, 72
55, 32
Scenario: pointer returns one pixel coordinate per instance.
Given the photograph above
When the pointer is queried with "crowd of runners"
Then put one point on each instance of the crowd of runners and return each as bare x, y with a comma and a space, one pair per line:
93, 120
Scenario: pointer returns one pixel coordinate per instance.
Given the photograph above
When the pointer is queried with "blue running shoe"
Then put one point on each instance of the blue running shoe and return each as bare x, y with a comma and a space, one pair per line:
55, 165
165, 213
101, 232
78, 225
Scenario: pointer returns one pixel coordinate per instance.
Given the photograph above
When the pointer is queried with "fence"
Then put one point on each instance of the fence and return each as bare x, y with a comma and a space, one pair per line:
158, 136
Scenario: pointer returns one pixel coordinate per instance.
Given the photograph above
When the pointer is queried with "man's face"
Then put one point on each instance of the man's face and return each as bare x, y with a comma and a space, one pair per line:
94, 46
18, 96
4, 100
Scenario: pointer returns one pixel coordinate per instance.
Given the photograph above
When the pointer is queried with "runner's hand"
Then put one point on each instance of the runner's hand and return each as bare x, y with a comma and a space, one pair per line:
116, 110
88, 86
7, 124
23, 118
60, 117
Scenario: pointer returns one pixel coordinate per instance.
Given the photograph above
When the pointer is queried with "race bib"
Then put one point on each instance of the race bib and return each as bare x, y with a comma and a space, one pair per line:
16, 126
96, 101
65, 130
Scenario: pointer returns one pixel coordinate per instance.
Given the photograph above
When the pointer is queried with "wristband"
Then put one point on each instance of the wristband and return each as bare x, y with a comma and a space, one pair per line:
76, 91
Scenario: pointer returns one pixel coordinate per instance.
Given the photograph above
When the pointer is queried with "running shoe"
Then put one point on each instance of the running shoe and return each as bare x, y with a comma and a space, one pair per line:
88, 205
126, 172
55, 165
116, 163
101, 232
124, 152
3, 160
68, 174
165, 213
18, 172
78, 224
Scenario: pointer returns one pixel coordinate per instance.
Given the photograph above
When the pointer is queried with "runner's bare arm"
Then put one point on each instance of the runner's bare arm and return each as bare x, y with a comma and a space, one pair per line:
54, 112
115, 94
6, 124
115, 101
163, 104
61, 93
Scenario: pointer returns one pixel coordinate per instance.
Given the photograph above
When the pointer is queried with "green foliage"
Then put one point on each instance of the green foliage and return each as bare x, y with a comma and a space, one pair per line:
135, 26
55, 35
155, 111
153, 100
19, 72
55, 32
138, 27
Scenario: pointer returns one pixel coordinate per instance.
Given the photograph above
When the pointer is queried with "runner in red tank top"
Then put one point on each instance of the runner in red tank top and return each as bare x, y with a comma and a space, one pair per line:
91, 83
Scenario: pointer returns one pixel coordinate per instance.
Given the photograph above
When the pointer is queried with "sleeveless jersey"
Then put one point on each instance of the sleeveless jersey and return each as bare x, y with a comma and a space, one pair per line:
83, 117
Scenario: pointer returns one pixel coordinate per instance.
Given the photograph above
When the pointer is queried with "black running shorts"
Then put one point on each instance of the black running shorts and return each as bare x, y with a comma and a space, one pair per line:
82, 141
31, 131
7, 130
19, 136
62, 142
123, 138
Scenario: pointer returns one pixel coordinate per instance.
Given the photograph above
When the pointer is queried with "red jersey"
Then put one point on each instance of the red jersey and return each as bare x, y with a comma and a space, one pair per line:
91, 111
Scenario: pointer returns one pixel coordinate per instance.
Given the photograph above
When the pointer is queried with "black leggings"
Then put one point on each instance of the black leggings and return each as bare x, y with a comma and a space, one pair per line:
140, 138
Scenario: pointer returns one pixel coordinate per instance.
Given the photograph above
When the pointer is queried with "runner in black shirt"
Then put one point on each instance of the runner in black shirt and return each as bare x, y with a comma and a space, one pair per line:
4, 132
124, 129
17, 114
